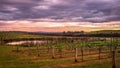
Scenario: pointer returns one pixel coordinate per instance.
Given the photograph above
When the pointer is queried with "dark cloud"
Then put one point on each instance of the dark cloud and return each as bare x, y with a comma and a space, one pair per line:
61, 10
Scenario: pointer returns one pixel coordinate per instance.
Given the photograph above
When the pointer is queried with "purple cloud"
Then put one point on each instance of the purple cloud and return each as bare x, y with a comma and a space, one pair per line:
61, 10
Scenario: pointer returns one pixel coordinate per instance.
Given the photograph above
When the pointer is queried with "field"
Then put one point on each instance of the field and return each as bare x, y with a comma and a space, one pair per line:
62, 52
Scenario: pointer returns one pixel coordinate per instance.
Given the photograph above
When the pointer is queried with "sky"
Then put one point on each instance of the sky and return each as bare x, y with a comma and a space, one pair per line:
59, 15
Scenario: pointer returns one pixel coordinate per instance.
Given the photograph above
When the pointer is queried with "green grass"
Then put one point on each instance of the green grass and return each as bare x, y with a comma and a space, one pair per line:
9, 59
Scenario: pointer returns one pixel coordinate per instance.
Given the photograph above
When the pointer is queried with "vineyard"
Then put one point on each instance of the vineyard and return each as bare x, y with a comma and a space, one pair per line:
66, 52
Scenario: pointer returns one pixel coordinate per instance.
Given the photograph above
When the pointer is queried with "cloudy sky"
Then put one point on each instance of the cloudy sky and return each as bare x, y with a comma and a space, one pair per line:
59, 15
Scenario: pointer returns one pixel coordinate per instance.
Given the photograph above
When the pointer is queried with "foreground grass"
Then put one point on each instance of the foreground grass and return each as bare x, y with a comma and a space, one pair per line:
9, 59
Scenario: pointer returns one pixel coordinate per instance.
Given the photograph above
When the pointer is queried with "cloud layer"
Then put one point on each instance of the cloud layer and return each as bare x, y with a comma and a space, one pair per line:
57, 27
60, 10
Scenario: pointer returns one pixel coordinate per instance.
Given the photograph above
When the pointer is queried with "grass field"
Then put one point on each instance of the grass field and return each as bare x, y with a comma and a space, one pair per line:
11, 59
61, 48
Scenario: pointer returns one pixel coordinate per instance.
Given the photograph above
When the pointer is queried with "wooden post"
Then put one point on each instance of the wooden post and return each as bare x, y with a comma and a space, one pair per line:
113, 59
76, 54
53, 52
48, 49
82, 53
61, 56
89, 50
29, 53
99, 52
38, 50
113, 49
17, 48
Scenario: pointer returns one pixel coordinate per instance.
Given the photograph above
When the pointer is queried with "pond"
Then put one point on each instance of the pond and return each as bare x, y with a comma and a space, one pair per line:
26, 42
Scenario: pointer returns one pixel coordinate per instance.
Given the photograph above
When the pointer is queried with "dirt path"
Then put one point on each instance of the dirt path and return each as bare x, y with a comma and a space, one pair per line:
81, 63
69, 58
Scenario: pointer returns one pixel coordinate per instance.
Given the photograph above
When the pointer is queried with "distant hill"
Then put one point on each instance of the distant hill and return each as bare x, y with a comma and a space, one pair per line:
6, 35
19, 35
11, 35
105, 32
